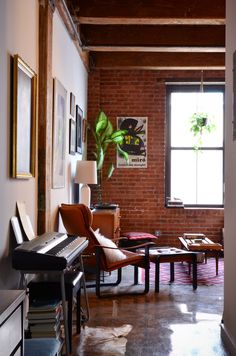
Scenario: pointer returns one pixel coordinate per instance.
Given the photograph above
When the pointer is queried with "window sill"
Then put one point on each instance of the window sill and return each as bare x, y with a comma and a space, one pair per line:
194, 207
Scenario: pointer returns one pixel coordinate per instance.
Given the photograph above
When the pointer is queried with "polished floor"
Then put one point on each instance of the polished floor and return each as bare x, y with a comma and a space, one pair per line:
177, 321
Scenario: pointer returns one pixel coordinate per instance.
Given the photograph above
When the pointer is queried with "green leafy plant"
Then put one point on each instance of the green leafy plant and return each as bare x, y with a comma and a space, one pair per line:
105, 136
200, 124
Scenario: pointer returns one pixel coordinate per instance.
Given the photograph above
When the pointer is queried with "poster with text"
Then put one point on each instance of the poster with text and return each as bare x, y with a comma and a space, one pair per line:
135, 142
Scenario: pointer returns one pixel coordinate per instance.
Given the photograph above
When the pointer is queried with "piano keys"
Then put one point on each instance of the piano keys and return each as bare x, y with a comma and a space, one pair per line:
49, 252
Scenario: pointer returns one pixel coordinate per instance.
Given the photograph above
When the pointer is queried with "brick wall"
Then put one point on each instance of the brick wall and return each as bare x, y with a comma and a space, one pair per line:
140, 193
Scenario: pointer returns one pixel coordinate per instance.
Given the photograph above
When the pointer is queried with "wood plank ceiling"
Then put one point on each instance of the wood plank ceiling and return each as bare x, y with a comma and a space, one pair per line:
151, 34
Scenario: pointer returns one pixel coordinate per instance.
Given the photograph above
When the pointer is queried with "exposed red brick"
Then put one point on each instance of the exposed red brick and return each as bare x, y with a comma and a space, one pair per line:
140, 193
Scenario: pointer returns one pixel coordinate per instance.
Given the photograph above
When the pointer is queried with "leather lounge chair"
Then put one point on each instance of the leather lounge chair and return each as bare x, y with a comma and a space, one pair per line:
103, 252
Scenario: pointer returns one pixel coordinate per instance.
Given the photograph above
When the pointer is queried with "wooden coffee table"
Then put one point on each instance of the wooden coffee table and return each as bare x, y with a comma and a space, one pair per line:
172, 255
200, 243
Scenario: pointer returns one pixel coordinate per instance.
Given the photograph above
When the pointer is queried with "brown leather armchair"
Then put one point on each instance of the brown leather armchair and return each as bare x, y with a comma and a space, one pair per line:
104, 254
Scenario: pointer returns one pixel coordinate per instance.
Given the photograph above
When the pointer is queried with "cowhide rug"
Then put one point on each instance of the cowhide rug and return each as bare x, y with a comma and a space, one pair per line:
103, 341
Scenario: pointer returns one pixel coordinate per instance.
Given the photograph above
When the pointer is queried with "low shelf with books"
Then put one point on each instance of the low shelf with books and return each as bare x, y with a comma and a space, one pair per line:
44, 319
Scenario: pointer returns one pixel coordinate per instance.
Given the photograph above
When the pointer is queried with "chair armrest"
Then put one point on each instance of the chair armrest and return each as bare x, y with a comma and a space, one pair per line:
128, 248
139, 246
112, 248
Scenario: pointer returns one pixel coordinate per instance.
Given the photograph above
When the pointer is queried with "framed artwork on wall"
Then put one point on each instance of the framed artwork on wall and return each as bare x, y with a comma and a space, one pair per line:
135, 142
59, 130
72, 137
72, 104
79, 117
24, 120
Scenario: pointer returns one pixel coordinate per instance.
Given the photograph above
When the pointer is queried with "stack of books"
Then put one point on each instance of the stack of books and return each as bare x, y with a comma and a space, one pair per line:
44, 317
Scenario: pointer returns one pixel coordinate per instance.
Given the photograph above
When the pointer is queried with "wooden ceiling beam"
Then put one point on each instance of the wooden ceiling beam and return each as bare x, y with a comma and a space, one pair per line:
72, 31
148, 21
141, 11
153, 35
153, 49
111, 60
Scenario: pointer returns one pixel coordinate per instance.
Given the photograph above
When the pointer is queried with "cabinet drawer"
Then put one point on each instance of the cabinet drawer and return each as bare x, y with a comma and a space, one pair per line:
10, 333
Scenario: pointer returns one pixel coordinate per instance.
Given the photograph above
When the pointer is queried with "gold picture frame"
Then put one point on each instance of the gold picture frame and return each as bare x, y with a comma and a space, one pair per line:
24, 120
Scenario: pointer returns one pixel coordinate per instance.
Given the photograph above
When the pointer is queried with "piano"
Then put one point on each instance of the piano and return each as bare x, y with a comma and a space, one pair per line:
51, 251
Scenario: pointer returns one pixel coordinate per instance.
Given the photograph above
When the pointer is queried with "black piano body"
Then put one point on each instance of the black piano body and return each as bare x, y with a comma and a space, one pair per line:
48, 252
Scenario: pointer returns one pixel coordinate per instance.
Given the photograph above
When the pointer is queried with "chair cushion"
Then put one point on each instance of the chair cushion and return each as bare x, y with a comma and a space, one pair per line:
134, 235
113, 254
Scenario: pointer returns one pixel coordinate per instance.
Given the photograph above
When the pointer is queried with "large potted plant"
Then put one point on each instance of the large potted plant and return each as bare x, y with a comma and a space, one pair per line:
105, 137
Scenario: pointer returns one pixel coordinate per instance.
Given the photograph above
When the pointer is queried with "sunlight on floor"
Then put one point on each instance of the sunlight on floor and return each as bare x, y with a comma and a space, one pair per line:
199, 339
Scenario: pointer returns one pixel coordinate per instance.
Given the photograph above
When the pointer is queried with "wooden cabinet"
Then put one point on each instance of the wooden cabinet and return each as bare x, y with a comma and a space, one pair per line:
108, 222
12, 322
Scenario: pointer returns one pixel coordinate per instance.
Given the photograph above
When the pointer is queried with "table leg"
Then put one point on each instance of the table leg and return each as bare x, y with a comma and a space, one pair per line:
157, 275
135, 275
65, 314
217, 262
194, 259
172, 271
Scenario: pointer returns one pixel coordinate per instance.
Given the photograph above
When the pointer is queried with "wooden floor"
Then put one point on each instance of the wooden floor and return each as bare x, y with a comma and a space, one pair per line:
177, 321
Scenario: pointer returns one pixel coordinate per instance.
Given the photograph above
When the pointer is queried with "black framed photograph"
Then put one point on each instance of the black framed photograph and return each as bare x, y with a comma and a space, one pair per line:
72, 137
24, 120
79, 118
72, 104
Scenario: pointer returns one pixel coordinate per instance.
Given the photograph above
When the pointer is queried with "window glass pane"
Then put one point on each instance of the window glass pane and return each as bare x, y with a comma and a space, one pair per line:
210, 177
183, 176
184, 105
194, 180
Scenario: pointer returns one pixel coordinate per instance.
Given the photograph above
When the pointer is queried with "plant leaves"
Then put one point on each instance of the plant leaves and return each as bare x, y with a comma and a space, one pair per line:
123, 153
105, 135
111, 169
118, 133
101, 122
108, 131
100, 159
118, 139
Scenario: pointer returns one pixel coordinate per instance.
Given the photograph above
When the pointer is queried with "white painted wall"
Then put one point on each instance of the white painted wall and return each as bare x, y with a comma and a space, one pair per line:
68, 68
18, 35
229, 326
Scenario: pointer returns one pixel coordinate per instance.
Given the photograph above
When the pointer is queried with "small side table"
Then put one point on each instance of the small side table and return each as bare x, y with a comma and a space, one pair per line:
172, 255
203, 244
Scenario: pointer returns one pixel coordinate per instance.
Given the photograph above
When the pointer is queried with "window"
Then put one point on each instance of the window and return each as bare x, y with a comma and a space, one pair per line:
195, 176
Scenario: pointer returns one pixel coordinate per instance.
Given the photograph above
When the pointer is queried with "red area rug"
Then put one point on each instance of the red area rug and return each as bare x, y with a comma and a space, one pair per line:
206, 273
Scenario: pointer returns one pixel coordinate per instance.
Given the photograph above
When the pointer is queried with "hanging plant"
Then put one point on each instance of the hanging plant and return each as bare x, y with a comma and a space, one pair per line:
200, 124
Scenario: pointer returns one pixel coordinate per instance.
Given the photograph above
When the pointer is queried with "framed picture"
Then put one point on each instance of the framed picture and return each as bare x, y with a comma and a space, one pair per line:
59, 130
72, 104
79, 117
72, 137
135, 142
84, 130
24, 120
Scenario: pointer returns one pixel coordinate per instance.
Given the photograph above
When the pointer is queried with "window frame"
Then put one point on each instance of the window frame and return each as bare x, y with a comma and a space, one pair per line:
188, 87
